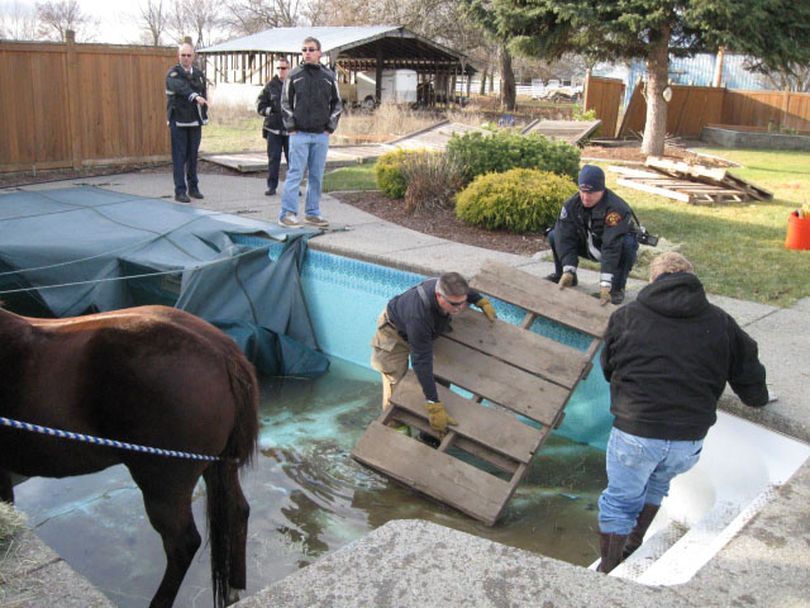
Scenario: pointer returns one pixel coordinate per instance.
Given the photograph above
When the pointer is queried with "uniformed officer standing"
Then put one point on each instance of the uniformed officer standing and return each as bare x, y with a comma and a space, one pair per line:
187, 111
408, 326
278, 140
598, 224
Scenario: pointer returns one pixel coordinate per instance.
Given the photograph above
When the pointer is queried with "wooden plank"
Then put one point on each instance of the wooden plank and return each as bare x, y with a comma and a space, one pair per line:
431, 472
497, 381
654, 190
526, 350
496, 429
716, 174
569, 307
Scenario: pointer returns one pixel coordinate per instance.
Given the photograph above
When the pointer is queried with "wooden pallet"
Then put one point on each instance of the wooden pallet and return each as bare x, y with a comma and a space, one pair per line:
480, 462
574, 132
715, 176
684, 190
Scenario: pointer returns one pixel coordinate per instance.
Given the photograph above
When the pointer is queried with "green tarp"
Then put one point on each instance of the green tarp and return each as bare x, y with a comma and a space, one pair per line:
71, 251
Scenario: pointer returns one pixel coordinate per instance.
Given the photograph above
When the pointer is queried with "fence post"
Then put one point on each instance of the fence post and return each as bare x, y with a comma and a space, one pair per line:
73, 114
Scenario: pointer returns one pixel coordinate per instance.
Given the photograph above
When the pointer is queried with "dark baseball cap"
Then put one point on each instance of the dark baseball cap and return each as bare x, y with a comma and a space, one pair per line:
591, 179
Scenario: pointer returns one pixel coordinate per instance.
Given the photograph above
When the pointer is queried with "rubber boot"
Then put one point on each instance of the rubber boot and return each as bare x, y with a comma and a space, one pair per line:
611, 546
643, 522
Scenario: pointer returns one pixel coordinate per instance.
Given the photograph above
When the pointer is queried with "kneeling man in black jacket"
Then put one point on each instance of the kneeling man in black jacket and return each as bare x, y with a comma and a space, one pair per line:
667, 356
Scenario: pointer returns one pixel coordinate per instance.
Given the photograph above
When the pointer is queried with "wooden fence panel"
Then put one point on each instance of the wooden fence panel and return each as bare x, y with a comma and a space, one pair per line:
768, 109
690, 109
74, 104
604, 95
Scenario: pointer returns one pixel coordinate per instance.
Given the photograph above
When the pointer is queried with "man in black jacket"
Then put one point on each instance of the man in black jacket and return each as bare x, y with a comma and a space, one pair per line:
311, 108
187, 111
408, 326
269, 105
598, 224
667, 356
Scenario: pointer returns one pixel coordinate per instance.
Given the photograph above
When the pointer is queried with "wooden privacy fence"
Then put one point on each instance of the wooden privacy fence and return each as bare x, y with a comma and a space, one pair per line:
692, 108
604, 95
70, 105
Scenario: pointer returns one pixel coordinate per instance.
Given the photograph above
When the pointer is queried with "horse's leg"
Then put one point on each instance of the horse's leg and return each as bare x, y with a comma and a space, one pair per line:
6, 487
239, 526
171, 516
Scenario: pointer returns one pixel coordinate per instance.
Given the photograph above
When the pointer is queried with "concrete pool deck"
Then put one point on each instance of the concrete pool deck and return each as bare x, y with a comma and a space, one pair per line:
414, 563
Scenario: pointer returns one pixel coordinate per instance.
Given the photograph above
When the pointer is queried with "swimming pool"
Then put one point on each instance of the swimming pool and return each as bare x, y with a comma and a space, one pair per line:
307, 495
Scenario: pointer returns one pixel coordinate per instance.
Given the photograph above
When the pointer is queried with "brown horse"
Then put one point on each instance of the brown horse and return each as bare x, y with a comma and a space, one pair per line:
153, 376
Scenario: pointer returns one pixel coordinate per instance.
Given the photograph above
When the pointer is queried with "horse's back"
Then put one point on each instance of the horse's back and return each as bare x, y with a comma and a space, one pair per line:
150, 375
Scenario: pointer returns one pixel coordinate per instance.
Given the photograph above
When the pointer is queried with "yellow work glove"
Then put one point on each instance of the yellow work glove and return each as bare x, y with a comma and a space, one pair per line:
438, 417
566, 280
604, 295
487, 308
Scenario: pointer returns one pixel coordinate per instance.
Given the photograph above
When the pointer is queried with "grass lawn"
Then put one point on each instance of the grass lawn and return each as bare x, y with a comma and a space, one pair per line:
737, 249
240, 135
359, 177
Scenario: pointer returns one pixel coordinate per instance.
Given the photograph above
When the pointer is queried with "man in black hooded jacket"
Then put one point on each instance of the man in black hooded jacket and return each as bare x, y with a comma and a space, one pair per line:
667, 356
268, 105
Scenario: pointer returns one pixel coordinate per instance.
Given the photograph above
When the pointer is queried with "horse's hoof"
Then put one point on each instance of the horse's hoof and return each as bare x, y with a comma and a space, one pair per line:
233, 596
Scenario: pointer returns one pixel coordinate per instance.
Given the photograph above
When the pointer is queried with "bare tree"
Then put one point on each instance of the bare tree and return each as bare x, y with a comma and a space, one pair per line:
58, 16
155, 18
18, 22
200, 19
251, 16
798, 81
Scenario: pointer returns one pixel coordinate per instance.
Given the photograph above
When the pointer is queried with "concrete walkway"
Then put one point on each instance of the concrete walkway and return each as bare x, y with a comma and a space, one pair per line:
414, 563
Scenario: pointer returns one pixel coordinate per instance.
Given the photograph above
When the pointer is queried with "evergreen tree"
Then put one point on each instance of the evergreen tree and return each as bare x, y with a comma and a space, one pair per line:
775, 32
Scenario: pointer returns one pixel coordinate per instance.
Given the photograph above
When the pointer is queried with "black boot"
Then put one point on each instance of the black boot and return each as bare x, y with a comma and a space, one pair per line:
642, 523
611, 546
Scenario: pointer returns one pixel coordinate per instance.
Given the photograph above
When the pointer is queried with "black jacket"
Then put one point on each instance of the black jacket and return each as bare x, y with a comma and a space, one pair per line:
310, 101
268, 105
182, 88
420, 324
606, 223
668, 356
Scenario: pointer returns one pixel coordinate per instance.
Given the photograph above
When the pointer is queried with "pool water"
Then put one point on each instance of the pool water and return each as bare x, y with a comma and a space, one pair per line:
308, 497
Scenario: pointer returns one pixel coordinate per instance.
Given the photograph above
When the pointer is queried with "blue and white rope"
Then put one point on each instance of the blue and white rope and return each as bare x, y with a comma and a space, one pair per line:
44, 430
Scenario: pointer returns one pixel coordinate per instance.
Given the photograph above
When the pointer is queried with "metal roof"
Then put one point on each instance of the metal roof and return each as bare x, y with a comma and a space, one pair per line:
289, 39
354, 46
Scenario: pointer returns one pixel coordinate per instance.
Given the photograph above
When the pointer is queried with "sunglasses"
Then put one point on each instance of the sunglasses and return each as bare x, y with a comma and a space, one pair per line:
280, 69
309, 49
186, 55
454, 304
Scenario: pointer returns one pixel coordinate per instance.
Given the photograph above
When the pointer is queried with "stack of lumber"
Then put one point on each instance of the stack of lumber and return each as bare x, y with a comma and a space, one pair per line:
690, 183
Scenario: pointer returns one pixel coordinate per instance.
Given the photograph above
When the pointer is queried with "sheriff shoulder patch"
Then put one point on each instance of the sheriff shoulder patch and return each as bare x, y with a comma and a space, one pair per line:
173, 74
613, 219
563, 213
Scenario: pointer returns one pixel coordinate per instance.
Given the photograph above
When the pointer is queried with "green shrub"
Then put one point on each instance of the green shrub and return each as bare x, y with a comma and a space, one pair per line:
586, 115
520, 200
388, 172
477, 153
433, 181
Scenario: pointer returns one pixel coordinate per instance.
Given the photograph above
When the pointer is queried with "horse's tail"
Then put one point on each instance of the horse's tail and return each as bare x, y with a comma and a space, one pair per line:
227, 508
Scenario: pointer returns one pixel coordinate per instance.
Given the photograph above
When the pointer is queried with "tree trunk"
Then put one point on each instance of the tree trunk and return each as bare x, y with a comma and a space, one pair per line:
483, 88
507, 80
655, 126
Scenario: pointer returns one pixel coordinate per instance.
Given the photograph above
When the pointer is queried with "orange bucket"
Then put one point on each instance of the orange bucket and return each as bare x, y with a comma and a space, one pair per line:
798, 232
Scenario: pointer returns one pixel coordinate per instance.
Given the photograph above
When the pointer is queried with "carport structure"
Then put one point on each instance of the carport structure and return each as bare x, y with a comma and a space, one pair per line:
348, 50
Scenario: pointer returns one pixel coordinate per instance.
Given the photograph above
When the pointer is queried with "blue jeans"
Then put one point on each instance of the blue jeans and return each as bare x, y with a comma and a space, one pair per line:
185, 145
639, 471
626, 259
276, 144
307, 151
